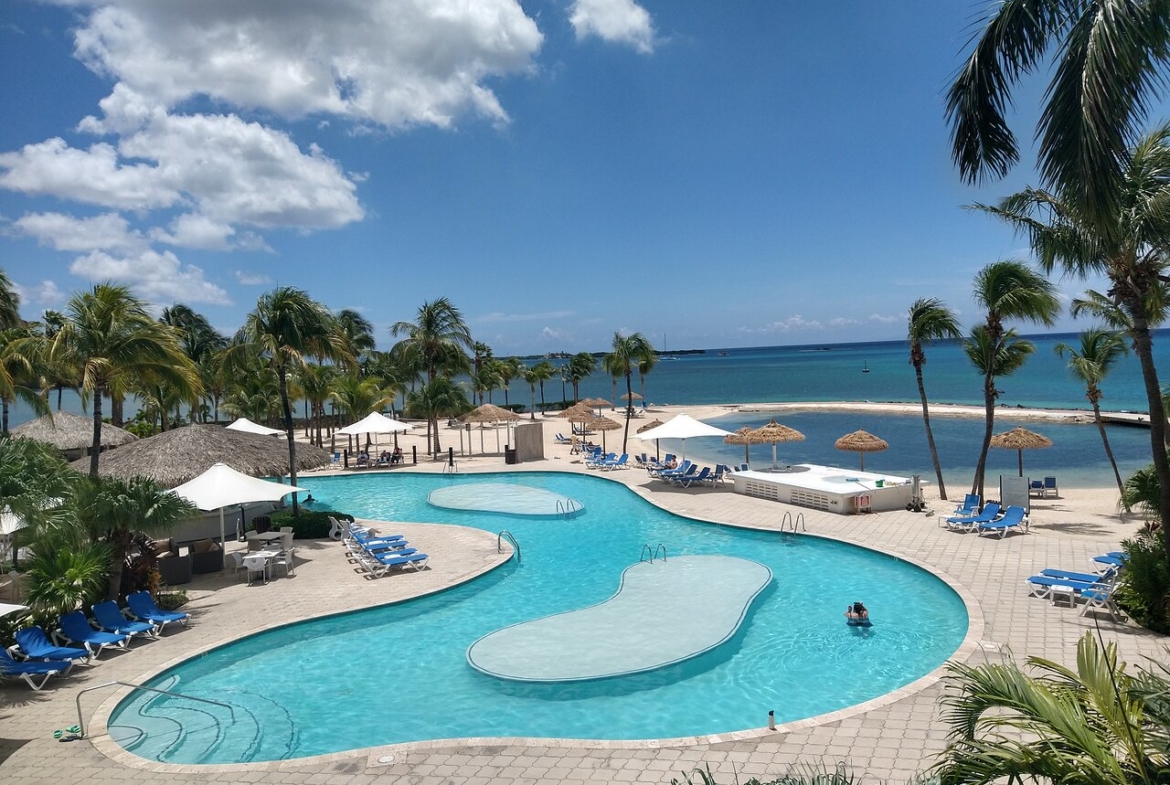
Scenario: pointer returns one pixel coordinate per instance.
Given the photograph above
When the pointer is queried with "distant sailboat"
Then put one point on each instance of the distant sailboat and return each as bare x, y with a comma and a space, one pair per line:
864, 366
664, 355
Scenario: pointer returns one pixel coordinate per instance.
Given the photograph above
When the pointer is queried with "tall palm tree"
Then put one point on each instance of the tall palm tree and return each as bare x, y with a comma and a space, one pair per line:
439, 398
543, 371
358, 397
530, 375
315, 383
508, 369
111, 343
992, 359
1109, 58
930, 320
645, 366
438, 336
358, 330
9, 303
1129, 245
581, 366
1098, 723
51, 323
200, 342
1099, 351
21, 353
629, 352
286, 329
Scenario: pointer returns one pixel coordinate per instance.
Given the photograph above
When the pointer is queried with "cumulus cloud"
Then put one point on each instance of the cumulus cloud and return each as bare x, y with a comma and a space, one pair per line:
252, 279
105, 232
159, 277
616, 21
45, 294
842, 321
885, 318
499, 316
396, 63
794, 322
553, 334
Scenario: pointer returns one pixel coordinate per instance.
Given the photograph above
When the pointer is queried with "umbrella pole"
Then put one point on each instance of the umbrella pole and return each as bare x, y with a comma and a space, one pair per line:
862, 460
222, 542
774, 466
1020, 454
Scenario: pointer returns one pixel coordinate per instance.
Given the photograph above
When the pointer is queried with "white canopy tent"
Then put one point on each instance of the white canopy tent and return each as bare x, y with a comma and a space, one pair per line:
375, 422
682, 427
247, 426
222, 486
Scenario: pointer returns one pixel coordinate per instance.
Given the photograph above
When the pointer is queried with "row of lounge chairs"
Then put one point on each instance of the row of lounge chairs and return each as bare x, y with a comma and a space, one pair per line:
376, 555
687, 474
1094, 589
994, 521
594, 459
35, 657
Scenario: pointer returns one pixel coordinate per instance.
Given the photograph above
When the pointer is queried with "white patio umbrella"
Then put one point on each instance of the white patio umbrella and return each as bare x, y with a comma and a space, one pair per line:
247, 426
375, 422
7, 608
222, 486
682, 427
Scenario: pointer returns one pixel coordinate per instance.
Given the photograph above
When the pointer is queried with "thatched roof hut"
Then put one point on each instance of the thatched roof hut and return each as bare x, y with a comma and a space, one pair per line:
174, 457
70, 432
862, 442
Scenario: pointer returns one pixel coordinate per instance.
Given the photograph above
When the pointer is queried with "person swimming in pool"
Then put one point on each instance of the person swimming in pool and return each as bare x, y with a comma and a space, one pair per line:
856, 612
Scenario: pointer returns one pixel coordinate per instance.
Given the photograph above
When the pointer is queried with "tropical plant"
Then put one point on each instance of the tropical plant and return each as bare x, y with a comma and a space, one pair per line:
507, 370
111, 344
438, 337
32, 476
1142, 491
315, 383
1107, 58
1143, 587
254, 392
200, 342
358, 397
21, 353
645, 366
62, 579
581, 366
358, 330
1099, 350
286, 329
629, 352
930, 320
1097, 723
438, 398
113, 510
532, 378
51, 323
1006, 289
543, 371
9, 303
1128, 244
993, 359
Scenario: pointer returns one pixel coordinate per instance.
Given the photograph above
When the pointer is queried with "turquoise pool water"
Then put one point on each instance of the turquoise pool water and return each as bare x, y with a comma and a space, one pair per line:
399, 673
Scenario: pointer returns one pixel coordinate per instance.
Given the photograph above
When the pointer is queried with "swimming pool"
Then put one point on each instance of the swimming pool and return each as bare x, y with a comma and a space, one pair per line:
399, 673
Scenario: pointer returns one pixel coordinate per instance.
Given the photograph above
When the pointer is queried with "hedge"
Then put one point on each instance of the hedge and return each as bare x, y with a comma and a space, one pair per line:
310, 524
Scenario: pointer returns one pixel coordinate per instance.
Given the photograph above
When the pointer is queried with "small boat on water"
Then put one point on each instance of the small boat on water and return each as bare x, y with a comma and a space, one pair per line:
864, 366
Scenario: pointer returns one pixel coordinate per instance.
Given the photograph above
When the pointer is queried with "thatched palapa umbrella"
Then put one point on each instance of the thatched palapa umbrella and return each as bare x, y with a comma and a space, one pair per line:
741, 437
647, 427
580, 412
862, 442
775, 432
1020, 439
486, 413
603, 424
67, 431
175, 457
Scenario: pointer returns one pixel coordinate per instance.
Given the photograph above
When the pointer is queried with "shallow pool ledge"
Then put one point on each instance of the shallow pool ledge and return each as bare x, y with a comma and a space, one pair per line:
664, 612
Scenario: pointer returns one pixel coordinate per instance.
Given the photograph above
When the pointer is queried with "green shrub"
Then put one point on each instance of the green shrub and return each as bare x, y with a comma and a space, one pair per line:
310, 524
171, 600
1144, 589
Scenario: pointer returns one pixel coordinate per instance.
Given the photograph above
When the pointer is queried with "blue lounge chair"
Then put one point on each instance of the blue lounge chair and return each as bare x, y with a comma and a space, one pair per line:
1013, 518
110, 618
960, 523
1050, 487
1111, 559
143, 608
383, 564
1100, 598
666, 474
1046, 587
717, 476
28, 671
687, 480
969, 507
74, 628
618, 463
1036, 488
33, 644
1088, 577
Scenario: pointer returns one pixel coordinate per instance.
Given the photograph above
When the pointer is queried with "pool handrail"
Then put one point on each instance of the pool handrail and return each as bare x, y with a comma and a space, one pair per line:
505, 534
81, 719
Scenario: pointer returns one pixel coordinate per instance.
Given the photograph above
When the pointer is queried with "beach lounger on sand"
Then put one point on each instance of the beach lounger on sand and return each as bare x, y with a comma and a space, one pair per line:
29, 671
687, 480
1013, 518
969, 507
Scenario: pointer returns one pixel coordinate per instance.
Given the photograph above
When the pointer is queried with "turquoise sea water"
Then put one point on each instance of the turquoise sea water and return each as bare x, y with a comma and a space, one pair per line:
399, 673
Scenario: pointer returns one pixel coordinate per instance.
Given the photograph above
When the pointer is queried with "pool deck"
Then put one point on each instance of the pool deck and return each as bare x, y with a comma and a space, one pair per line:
887, 739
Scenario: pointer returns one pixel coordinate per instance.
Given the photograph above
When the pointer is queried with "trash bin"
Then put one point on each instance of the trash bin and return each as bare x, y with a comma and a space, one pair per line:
510, 456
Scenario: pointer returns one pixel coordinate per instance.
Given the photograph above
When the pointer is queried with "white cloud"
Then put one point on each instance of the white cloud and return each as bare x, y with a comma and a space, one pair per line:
616, 21
841, 321
252, 279
553, 334
43, 295
794, 322
159, 277
105, 232
191, 230
499, 316
885, 318
396, 63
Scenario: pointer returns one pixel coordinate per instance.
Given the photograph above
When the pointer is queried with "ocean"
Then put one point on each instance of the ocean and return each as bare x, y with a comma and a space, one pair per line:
836, 372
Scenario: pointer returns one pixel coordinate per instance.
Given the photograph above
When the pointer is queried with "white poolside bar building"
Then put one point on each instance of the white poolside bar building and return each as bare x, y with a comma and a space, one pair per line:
830, 488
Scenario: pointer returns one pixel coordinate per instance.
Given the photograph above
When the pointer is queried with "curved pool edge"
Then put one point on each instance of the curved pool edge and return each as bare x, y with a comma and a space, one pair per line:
373, 755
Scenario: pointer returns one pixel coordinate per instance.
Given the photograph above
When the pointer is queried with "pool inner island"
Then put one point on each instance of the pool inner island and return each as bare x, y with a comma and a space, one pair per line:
664, 612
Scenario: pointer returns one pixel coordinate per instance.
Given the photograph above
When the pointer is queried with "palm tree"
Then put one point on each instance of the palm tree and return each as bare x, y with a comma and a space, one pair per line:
20, 379
438, 398
200, 341
629, 352
1096, 724
532, 378
508, 369
111, 343
358, 397
1108, 57
1128, 245
1099, 351
358, 331
581, 366
645, 366
315, 383
930, 320
1006, 289
286, 329
51, 323
438, 336
254, 392
543, 371
114, 509
993, 359
9, 303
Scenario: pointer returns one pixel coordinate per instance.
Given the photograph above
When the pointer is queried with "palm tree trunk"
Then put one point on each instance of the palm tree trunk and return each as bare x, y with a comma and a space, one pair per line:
4, 417
942, 489
532, 414
288, 431
629, 408
1108, 450
1144, 349
119, 546
989, 416
116, 404
60, 391
542, 406
95, 446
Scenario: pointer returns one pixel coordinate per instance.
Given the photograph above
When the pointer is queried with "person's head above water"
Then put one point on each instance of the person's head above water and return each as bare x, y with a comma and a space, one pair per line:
858, 607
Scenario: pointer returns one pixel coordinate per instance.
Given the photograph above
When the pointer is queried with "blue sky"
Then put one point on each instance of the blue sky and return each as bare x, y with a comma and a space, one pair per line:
710, 174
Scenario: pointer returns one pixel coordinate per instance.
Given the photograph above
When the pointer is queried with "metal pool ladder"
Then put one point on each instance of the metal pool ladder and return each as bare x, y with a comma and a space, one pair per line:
788, 521
507, 535
81, 720
566, 507
653, 554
